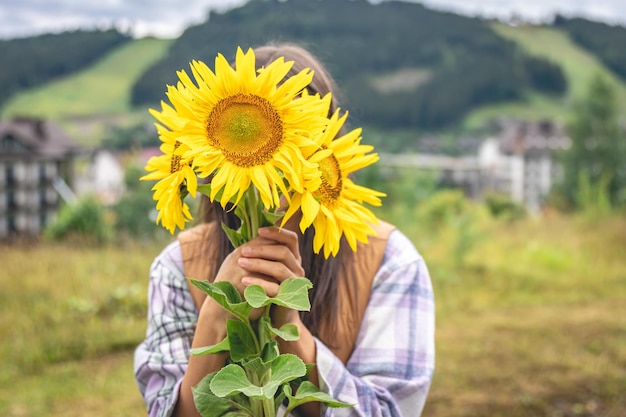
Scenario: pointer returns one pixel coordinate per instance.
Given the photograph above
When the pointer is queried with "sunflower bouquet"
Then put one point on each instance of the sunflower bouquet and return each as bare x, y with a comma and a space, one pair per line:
259, 139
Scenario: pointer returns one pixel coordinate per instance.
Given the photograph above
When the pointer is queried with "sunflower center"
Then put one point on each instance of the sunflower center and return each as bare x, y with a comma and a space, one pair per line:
175, 161
246, 128
330, 190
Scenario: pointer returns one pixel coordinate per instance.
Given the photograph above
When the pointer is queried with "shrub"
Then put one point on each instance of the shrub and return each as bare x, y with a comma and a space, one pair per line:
441, 208
448, 216
501, 206
84, 220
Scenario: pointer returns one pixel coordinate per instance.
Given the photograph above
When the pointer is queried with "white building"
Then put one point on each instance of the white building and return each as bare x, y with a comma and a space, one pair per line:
528, 167
102, 176
519, 161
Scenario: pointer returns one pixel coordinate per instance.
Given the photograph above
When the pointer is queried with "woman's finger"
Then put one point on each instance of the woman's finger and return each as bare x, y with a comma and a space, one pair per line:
274, 269
276, 261
283, 236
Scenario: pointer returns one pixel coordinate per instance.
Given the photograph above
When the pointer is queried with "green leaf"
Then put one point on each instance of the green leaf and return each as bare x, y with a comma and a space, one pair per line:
227, 296
223, 346
284, 368
308, 392
205, 189
256, 297
242, 342
236, 237
288, 332
232, 379
271, 218
241, 211
270, 351
256, 366
210, 405
293, 293
219, 290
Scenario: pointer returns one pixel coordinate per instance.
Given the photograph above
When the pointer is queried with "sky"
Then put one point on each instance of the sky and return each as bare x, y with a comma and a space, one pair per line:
169, 18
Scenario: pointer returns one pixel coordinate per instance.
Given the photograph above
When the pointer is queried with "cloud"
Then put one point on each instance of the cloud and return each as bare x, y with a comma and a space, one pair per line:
610, 11
169, 18
163, 18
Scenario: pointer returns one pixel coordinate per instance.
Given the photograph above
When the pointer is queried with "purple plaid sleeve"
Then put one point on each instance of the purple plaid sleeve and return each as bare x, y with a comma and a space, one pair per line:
390, 370
161, 359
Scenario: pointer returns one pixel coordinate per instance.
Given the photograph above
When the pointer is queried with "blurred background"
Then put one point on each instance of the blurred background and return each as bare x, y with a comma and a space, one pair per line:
501, 127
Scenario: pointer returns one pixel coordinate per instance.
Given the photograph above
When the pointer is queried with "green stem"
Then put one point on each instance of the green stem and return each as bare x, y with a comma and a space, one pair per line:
289, 409
261, 407
253, 212
255, 336
264, 336
268, 408
257, 407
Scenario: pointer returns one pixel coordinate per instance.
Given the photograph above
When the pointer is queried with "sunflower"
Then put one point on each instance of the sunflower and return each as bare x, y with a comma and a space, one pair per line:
175, 176
335, 208
246, 127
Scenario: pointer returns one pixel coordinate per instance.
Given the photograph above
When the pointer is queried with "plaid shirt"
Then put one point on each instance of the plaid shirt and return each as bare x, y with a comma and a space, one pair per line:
388, 374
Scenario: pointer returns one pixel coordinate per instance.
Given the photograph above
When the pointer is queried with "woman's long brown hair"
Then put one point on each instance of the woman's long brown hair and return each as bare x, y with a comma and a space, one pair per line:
323, 273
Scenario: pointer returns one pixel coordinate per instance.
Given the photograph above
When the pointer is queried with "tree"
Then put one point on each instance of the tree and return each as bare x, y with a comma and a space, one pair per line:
598, 151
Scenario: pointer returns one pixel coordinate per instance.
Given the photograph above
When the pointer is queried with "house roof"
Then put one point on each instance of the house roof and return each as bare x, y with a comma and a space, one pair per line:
34, 138
522, 137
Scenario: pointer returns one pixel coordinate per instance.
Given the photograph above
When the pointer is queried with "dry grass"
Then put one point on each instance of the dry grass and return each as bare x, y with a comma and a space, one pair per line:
69, 319
530, 323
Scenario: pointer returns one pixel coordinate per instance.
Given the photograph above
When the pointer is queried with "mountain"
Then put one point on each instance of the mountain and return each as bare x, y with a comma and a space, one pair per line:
400, 66
37, 60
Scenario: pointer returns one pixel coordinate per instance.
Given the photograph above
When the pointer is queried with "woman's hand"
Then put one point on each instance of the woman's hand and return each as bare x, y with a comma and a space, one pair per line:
274, 255
266, 260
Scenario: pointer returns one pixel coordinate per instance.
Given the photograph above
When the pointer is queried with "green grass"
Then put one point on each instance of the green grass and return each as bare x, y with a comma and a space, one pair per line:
103, 88
87, 102
531, 324
529, 319
101, 386
579, 67
69, 319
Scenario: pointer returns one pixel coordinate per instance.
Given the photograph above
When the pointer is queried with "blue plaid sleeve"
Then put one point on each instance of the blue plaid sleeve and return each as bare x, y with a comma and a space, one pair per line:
391, 368
161, 359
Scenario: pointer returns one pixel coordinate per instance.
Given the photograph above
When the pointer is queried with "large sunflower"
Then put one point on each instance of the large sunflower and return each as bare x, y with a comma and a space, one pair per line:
175, 176
242, 126
335, 208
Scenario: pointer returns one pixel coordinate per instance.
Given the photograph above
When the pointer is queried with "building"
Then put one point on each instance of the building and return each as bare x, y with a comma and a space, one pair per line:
102, 176
525, 165
36, 170
518, 161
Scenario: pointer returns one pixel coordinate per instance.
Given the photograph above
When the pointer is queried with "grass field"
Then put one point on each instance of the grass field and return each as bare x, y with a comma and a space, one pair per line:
530, 321
86, 102
579, 67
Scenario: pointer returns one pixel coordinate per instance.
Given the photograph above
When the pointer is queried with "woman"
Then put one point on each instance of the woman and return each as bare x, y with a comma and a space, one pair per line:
370, 331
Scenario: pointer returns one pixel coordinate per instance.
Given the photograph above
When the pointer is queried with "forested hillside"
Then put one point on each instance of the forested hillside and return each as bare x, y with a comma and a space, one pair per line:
607, 42
30, 62
399, 64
